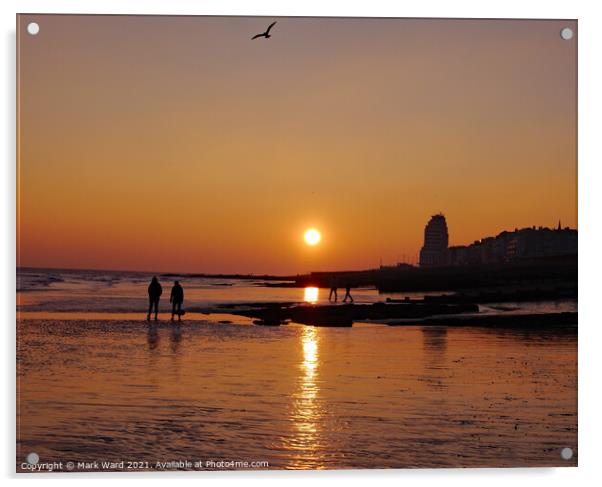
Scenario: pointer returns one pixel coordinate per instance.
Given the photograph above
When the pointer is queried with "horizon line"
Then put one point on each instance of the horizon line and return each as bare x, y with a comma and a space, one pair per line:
540, 227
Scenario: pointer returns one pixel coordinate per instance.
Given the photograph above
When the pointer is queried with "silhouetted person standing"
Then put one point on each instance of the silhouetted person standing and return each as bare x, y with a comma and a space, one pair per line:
154, 293
333, 288
347, 293
176, 299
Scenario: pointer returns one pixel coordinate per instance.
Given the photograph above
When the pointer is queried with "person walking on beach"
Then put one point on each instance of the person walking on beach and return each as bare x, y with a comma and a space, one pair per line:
347, 293
154, 293
176, 299
333, 288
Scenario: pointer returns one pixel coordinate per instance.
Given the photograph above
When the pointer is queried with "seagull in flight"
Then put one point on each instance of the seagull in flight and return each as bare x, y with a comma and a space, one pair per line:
265, 34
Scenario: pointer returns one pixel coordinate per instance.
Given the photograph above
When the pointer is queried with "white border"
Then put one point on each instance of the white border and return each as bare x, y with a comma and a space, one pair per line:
590, 223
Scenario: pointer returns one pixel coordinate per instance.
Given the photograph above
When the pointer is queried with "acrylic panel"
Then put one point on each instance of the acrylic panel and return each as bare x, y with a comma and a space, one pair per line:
295, 243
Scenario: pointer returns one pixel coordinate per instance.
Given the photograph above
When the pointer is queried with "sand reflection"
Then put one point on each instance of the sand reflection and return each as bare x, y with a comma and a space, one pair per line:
175, 338
310, 295
436, 370
306, 412
152, 336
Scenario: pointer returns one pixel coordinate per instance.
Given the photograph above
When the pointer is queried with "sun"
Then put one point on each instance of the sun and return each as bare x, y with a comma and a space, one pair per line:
312, 236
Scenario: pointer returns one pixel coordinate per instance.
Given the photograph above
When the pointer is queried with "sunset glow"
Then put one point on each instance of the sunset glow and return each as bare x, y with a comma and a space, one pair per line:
295, 243
132, 156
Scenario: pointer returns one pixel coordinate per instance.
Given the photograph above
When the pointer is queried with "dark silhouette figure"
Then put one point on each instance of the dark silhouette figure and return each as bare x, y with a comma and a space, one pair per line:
333, 289
347, 293
265, 34
154, 293
176, 299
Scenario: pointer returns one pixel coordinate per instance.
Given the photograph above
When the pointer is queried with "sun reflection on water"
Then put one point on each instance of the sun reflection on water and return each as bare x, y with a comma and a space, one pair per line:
310, 354
311, 295
307, 411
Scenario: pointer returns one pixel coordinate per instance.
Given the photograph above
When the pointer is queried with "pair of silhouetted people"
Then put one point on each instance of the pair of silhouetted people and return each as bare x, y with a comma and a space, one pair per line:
334, 291
154, 294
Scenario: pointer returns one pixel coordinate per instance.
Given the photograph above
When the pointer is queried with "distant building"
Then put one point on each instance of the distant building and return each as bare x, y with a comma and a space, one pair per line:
524, 243
507, 246
434, 250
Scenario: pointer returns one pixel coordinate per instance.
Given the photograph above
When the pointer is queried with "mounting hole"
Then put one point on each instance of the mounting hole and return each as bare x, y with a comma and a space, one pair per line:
566, 33
566, 453
32, 458
33, 28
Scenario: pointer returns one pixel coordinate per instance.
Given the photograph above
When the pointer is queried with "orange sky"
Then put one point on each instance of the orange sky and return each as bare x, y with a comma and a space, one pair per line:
178, 144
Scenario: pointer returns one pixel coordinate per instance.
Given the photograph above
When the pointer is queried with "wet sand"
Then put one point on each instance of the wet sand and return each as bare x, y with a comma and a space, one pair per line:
297, 397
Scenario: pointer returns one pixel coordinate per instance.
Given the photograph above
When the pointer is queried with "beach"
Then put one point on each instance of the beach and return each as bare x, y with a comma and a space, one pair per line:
98, 386
295, 242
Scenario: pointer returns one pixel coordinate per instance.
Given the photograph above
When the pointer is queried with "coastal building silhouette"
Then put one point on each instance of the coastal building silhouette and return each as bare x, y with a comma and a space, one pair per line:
434, 250
525, 243
507, 246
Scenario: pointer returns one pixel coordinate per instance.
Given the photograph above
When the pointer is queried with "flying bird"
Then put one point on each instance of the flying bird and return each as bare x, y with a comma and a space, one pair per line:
265, 34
